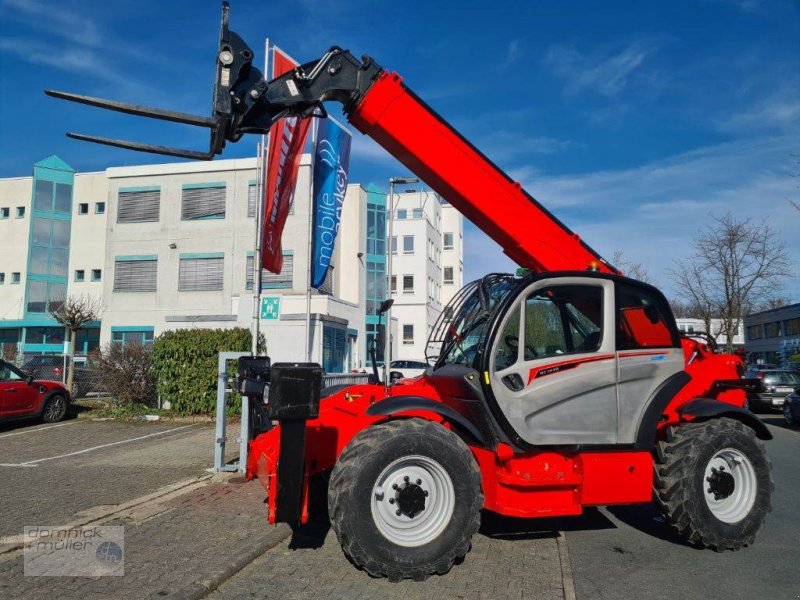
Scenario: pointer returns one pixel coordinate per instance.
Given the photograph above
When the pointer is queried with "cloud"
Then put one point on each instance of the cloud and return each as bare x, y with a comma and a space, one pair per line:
482, 255
653, 211
513, 52
780, 110
606, 75
67, 24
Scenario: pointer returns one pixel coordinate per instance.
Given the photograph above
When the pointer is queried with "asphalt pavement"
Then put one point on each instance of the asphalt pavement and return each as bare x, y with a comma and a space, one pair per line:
630, 553
51, 472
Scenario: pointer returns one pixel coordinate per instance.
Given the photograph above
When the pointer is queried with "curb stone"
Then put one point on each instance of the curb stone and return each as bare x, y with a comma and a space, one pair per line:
199, 589
567, 582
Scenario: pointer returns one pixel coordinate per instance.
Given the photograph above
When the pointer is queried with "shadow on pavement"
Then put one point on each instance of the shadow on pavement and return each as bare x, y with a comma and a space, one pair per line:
311, 535
509, 528
777, 420
647, 519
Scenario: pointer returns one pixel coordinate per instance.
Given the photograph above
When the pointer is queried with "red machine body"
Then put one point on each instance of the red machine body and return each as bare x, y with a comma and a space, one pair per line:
529, 484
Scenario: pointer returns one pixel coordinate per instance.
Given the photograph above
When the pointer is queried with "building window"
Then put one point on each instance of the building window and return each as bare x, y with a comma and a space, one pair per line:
15, 277
772, 330
417, 213
80, 275
376, 286
408, 334
97, 274
272, 281
394, 284
99, 208
448, 241
132, 335
408, 244
135, 273
394, 244
376, 229
754, 332
402, 214
448, 275
20, 212
792, 326
5, 212
408, 284
138, 205
83, 208
2, 278
252, 197
201, 273
200, 202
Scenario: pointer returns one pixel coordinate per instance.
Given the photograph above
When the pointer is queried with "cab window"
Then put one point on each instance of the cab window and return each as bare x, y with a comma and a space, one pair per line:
643, 319
507, 351
563, 319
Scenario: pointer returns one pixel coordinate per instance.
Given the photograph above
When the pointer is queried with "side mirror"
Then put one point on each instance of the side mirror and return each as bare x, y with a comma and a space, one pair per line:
29, 379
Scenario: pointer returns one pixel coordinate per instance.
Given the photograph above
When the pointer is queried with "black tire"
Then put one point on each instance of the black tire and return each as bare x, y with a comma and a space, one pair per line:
787, 414
350, 496
680, 482
76, 391
55, 408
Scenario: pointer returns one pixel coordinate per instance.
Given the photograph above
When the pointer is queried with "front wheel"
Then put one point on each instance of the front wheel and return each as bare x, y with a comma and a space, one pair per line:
404, 499
55, 407
713, 483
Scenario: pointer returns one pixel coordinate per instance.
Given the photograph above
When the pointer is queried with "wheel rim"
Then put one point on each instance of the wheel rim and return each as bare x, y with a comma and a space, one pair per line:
421, 491
730, 485
787, 413
55, 408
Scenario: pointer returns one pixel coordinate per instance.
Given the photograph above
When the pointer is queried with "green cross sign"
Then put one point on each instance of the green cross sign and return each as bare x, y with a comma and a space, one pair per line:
270, 307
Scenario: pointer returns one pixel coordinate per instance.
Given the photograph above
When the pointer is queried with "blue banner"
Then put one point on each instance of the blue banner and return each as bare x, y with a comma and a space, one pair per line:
331, 162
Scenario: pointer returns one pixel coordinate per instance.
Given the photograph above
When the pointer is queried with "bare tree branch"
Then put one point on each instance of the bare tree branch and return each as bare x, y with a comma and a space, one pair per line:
73, 313
736, 268
634, 270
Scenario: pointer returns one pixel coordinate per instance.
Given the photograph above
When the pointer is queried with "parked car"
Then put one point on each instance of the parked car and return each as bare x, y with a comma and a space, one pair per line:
25, 396
752, 370
408, 368
51, 367
776, 384
791, 408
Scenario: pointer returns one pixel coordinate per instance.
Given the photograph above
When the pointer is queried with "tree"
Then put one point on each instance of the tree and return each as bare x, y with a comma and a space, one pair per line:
634, 270
74, 313
736, 266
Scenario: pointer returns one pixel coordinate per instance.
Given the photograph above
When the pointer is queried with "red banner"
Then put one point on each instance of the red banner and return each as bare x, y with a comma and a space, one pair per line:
287, 139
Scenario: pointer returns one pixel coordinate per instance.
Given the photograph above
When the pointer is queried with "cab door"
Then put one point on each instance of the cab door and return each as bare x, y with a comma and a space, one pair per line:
553, 368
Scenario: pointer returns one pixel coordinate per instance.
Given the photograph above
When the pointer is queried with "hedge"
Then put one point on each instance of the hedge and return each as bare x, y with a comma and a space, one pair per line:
185, 366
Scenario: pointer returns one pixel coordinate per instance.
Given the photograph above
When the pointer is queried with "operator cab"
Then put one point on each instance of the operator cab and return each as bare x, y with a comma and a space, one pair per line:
569, 358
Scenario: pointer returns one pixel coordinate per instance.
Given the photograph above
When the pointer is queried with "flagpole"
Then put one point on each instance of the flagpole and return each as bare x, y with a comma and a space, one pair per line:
260, 191
310, 234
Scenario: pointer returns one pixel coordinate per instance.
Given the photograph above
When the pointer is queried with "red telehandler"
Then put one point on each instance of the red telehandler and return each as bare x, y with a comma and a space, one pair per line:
565, 387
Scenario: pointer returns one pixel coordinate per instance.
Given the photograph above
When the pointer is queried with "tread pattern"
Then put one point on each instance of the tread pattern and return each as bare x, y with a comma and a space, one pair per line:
341, 490
682, 507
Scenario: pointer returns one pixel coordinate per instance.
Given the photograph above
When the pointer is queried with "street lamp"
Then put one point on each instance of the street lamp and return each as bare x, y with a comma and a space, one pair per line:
387, 351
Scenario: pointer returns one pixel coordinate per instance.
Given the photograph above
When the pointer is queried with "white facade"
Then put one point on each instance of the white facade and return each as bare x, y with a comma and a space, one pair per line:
419, 262
689, 326
138, 239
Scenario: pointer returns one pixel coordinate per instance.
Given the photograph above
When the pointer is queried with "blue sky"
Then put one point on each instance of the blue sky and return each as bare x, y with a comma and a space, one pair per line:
631, 121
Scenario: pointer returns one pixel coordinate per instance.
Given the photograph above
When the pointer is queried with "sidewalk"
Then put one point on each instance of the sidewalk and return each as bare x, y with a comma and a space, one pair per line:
212, 537
175, 546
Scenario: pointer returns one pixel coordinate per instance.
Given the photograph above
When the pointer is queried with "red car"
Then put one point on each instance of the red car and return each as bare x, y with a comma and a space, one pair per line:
21, 396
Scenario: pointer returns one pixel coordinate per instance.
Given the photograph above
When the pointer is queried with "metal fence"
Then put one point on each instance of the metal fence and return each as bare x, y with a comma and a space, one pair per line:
55, 367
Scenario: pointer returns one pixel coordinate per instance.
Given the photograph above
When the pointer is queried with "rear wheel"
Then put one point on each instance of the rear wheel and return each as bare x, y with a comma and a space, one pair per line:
404, 499
713, 483
55, 407
787, 414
